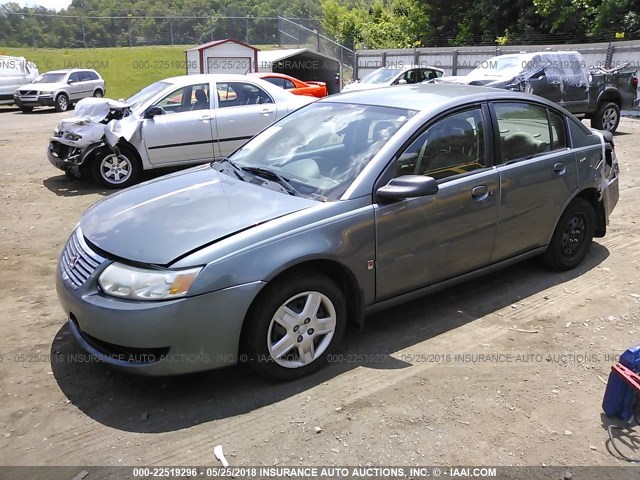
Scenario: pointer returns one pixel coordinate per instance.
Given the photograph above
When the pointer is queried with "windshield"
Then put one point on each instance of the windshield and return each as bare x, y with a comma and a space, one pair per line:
502, 66
381, 75
321, 148
146, 93
51, 78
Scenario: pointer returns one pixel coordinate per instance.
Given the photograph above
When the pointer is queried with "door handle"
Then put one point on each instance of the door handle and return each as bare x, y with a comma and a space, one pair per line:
205, 118
479, 191
559, 168
266, 111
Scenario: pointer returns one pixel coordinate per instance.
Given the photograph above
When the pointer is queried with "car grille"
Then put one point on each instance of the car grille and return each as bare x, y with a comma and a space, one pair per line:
28, 92
78, 261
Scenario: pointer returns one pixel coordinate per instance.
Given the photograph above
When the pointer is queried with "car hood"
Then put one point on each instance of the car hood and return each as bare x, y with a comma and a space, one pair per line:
43, 86
158, 221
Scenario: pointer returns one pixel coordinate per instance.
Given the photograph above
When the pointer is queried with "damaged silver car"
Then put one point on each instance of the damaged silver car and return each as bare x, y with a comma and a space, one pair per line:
183, 120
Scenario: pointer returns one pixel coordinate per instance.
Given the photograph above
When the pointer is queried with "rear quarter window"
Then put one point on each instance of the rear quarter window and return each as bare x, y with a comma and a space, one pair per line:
581, 136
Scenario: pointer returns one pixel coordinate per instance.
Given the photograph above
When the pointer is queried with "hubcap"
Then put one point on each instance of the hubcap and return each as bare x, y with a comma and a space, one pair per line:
97, 95
301, 329
62, 101
573, 236
115, 169
609, 119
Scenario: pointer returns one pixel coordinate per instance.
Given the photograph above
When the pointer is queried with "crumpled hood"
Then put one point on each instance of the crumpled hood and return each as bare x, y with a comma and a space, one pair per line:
97, 109
158, 221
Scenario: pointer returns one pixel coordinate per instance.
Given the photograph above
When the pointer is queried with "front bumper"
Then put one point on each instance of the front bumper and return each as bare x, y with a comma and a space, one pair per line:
64, 157
34, 101
158, 338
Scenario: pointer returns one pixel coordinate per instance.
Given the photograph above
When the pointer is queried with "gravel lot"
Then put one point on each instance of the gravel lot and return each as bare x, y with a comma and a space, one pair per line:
505, 370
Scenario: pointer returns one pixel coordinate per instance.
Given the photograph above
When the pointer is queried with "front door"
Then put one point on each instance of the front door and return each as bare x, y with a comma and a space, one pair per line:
421, 241
184, 132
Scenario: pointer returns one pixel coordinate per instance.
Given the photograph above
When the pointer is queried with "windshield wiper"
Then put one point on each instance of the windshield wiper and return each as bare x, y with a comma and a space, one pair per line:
274, 176
237, 170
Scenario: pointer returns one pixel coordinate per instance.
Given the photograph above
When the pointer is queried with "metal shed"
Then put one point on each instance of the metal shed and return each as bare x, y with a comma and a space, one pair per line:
222, 56
303, 64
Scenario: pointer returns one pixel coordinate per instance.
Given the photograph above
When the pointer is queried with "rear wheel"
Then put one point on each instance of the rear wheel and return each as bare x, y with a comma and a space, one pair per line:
98, 94
295, 325
62, 103
572, 237
116, 171
607, 117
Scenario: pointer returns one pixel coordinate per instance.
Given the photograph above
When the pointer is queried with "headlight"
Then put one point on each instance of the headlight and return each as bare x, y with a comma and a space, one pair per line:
134, 283
73, 137
45, 92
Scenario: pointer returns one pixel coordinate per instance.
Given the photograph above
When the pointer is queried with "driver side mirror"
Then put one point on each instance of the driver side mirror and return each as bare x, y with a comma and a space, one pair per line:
407, 186
402, 81
152, 112
69, 82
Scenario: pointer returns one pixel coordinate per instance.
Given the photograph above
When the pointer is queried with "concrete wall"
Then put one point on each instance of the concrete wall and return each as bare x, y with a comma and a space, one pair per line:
461, 60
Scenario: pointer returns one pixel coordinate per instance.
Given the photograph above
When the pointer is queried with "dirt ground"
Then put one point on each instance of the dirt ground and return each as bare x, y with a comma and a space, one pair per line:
505, 370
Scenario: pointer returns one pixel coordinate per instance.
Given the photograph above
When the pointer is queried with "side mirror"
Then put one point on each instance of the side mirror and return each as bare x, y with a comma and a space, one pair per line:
408, 186
402, 81
69, 82
153, 111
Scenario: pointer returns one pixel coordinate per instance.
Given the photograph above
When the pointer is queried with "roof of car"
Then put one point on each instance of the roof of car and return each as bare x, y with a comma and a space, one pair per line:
70, 70
428, 97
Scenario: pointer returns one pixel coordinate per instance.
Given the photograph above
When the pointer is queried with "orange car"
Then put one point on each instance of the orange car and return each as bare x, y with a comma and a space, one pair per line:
298, 87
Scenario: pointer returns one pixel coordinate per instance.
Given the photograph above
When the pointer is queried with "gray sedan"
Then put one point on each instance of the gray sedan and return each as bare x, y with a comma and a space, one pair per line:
348, 205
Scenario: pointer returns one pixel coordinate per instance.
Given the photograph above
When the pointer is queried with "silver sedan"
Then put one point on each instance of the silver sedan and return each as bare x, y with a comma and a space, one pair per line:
177, 121
348, 205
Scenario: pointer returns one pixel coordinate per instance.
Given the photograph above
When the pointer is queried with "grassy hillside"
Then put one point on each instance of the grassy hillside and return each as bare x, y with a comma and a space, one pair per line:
125, 70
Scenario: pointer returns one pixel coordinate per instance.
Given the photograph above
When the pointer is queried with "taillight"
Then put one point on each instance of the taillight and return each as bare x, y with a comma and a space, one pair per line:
634, 82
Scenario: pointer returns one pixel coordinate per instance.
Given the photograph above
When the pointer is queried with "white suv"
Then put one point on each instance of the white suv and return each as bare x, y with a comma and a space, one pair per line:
14, 71
59, 89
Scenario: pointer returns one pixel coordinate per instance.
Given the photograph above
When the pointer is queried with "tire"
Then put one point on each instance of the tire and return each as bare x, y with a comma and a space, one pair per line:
26, 109
607, 117
62, 103
111, 171
572, 237
308, 348
98, 94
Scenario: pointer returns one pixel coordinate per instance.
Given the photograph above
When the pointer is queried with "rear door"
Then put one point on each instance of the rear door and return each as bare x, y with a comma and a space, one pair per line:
538, 175
242, 109
421, 241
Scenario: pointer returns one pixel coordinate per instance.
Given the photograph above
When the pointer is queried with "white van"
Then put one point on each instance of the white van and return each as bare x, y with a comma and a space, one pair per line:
14, 72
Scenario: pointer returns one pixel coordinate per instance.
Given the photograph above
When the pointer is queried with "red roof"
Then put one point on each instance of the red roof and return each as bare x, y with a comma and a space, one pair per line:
220, 42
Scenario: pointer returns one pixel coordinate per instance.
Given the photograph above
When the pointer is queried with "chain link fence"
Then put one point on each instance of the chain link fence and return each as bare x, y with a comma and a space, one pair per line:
64, 31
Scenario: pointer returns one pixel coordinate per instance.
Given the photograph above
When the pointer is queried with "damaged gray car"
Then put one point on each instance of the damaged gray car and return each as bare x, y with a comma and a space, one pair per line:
563, 78
183, 120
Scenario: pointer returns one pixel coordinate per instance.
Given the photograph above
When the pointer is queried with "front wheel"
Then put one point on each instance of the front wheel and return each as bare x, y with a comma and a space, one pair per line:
572, 237
607, 117
116, 171
295, 325
62, 103
26, 109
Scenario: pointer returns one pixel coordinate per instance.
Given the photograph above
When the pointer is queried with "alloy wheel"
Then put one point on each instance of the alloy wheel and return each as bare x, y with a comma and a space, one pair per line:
301, 329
